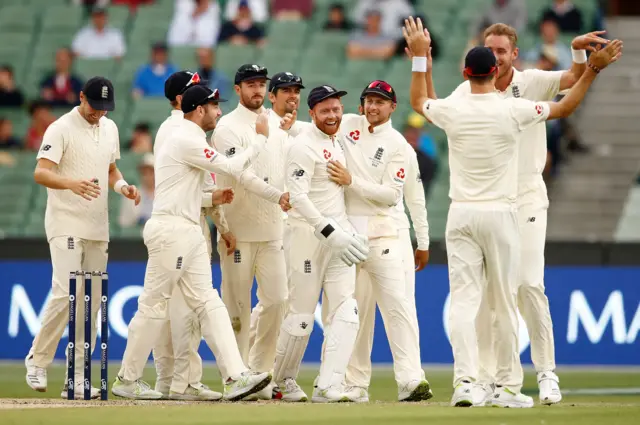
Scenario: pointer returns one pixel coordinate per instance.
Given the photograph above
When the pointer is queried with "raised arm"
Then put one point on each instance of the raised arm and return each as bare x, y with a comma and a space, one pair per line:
579, 47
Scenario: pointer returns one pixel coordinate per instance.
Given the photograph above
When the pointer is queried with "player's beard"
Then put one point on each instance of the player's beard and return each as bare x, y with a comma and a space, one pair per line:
328, 129
253, 102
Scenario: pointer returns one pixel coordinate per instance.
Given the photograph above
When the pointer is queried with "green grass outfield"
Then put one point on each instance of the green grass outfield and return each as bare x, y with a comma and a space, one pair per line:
19, 404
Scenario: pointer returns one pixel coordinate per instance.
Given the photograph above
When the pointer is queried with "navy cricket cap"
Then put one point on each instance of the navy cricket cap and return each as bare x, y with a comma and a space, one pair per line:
480, 62
249, 72
99, 93
285, 79
381, 88
199, 95
321, 93
178, 82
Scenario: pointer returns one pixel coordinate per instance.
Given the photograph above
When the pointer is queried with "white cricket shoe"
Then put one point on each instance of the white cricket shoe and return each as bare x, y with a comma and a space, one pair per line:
504, 397
416, 390
135, 390
79, 391
36, 376
197, 392
264, 394
549, 386
247, 383
462, 395
290, 391
357, 394
481, 395
329, 395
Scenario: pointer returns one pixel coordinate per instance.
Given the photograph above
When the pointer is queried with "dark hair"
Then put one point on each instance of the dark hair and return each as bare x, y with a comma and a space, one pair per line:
142, 126
7, 68
38, 104
338, 6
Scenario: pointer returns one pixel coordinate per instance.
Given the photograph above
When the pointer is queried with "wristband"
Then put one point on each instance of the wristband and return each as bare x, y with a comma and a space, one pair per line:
594, 68
119, 185
579, 56
419, 64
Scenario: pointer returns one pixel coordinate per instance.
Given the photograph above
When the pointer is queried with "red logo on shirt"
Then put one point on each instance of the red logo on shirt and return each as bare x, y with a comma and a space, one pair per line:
327, 154
209, 153
400, 173
539, 109
355, 135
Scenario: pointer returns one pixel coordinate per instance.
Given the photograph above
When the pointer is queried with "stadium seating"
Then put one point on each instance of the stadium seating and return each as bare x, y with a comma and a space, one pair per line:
29, 44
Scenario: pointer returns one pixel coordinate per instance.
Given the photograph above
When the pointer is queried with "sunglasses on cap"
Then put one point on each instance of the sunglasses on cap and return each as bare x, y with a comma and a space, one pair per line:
382, 85
195, 79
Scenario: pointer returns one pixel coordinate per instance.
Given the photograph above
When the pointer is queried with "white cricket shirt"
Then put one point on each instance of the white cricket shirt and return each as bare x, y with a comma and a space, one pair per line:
312, 195
537, 86
180, 168
482, 131
376, 162
254, 215
82, 151
413, 196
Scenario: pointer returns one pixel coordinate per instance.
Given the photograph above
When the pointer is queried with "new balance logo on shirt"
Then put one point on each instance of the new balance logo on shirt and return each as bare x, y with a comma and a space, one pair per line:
531, 220
230, 151
236, 256
385, 251
297, 173
46, 147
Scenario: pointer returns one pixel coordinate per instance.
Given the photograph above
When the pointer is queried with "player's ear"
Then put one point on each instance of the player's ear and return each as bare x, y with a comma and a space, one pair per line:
272, 98
237, 89
393, 106
515, 54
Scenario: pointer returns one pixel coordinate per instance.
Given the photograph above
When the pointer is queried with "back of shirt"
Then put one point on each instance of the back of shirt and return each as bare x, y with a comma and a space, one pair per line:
483, 130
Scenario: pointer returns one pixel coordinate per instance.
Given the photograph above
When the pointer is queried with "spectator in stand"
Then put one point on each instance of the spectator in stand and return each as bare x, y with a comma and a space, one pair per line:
7, 141
242, 29
291, 9
337, 20
150, 78
392, 12
133, 4
510, 12
195, 23
259, 10
61, 88
549, 32
141, 140
90, 4
371, 43
41, 118
566, 14
425, 148
137, 215
214, 77
97, 40
10, 95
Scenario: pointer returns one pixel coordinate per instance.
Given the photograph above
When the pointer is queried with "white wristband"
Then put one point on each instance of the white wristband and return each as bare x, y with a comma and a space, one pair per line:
579, 56
419, 64
119, 185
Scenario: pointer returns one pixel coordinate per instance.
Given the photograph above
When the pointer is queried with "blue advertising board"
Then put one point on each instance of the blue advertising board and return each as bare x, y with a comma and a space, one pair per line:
595, 310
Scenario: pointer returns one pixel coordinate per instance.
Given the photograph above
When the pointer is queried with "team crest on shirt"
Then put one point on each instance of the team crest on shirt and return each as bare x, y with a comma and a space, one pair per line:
515, 91
400, 175
353, 136
377, 157
327, 154
210, 154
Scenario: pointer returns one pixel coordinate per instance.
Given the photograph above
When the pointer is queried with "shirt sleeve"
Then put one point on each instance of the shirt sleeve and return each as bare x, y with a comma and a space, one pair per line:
228, 142
299, 171
546, 84
437, 111
116, 144
415, 200
526, 113
198, 154
389, 192
53, 143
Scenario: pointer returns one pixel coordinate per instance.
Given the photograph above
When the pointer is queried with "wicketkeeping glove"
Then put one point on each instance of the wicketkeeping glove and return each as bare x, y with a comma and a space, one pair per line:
351, 247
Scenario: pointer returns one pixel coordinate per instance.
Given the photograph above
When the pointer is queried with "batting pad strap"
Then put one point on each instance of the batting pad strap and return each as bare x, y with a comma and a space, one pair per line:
119, 185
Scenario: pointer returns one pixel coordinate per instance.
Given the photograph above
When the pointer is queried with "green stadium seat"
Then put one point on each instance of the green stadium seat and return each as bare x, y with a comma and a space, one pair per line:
62, 19
360, 72
184, 57
230, 57
18, 18
119, 17
89, 68
291, 34
153, 110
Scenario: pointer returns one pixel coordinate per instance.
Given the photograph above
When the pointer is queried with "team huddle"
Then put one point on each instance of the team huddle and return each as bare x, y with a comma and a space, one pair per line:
311, 208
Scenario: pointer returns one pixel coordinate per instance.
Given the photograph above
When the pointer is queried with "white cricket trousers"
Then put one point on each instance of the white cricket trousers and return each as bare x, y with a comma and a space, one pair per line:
360, 363
532, 301
69, 254
314, 267
176, 357
178, 257
482, 240
265, 261
385, 282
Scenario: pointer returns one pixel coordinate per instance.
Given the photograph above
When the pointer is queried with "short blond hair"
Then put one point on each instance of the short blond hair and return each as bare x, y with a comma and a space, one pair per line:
503, 29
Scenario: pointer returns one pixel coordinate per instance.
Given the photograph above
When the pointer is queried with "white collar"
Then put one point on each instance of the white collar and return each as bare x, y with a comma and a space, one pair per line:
177, 113
83, 122
377, 129
248, 113
323, 135
194, 128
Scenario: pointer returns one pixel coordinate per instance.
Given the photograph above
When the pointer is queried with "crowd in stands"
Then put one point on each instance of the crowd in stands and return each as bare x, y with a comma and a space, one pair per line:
375, 33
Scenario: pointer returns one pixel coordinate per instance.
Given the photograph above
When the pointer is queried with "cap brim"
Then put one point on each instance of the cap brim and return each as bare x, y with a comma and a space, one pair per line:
255, 77
340, 93
291, 84
102, 105
379, 92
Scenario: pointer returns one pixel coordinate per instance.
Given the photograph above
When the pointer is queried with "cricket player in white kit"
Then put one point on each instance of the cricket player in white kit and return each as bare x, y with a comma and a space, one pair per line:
178, 364
535, 85
376, 104
482, 235
374, 181
255, 218
178, 251
326, 248
77, 165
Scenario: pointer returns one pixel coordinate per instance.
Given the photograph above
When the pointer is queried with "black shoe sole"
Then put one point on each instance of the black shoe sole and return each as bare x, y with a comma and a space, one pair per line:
261, 386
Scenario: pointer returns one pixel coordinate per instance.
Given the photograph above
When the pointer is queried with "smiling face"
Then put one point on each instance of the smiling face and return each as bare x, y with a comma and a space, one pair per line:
504, 50
285, 100
378, 109
91, 115
327, 115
